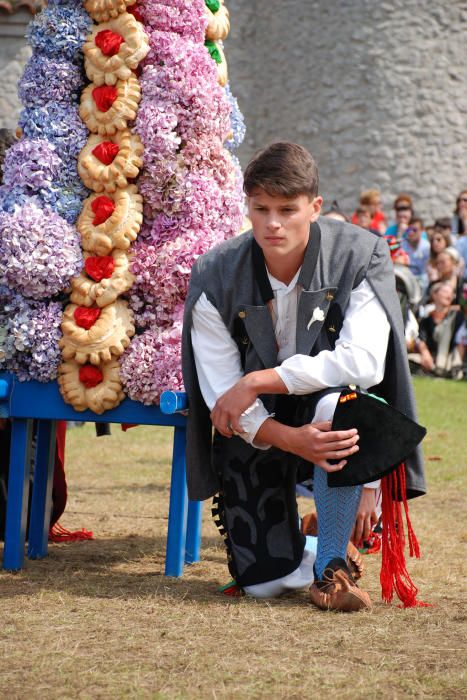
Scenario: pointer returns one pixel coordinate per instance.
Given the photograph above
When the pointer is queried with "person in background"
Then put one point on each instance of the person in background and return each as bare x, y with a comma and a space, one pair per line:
447, 263
459, 219
440, 351
440, 240
363, 219
372, 200
403, 210
417, 249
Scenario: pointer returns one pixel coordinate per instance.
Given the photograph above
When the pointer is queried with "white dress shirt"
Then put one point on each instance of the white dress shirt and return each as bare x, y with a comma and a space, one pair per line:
358, 358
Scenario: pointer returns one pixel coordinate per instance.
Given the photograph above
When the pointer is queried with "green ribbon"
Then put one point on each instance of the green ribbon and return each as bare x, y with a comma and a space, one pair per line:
213, 50
214, 5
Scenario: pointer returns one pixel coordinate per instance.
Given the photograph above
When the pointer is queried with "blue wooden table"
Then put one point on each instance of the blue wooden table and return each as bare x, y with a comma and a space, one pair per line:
24, 402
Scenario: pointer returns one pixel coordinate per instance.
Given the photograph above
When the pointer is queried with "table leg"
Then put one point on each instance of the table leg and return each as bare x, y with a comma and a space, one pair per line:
193, 535
176, 533
18, 494
42, 490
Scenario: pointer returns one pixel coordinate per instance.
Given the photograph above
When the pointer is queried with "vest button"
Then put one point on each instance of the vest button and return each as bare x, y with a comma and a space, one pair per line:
329, 296
242, 314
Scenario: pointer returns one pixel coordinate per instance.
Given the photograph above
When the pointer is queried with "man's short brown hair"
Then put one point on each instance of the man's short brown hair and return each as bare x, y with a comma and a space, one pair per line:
283, 168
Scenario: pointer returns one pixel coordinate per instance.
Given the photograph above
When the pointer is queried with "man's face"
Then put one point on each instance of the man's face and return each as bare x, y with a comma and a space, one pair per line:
281, 225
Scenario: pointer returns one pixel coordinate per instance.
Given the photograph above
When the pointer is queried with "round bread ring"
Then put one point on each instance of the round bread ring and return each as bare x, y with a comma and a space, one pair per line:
103, 10
122, 111
102, 69
218, 23
87, 292
127, 163
106, 395
108, 337
222, 72
120, 229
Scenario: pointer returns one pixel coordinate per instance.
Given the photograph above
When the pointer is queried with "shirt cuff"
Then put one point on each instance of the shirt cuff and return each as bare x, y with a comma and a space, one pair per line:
251, 421
373, 484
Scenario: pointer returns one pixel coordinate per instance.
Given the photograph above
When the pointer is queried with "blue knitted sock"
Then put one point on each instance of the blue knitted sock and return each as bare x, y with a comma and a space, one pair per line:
337, 510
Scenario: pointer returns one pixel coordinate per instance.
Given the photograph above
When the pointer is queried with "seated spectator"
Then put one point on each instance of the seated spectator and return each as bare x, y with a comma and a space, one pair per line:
447, 263
459, 219
372, 200
440, 240
417, 249
403, 210
461, 247
363, 219
440, 351
408, 291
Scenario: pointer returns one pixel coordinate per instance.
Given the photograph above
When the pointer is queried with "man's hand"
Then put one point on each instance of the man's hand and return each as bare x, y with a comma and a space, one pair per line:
317, 443
225, 415
366, 516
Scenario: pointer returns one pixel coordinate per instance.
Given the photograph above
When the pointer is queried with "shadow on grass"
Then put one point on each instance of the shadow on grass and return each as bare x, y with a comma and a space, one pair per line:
125, 567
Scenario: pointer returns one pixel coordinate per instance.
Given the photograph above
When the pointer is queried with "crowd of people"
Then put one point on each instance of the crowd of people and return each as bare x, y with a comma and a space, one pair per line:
430, 264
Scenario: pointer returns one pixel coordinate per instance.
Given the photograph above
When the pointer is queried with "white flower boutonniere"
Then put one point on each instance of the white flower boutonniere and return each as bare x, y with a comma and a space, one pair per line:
318, 315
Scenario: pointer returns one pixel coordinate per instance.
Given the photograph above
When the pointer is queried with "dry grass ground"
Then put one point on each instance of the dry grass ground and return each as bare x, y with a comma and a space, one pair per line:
99, 620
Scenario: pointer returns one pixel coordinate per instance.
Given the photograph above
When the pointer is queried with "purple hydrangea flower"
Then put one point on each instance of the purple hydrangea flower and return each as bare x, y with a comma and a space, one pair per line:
39, 252
31, 164
47, 79
58, 123
60, 30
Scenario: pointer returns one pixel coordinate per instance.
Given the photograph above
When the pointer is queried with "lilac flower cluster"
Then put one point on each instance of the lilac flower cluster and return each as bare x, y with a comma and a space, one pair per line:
58, 123
237, 121
191, 185
39, 252
187, 19
29, 336
60, 30
47, 79
31, 164
152, 364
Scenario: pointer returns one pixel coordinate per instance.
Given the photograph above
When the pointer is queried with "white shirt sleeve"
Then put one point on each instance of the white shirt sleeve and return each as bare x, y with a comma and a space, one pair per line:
219, 367
359, 356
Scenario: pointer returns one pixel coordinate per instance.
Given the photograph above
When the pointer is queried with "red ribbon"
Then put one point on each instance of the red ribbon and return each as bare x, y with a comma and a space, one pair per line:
99, 267
134, 10
108, 42
90, 376
86, 318
106, 152
103, 207
104, 97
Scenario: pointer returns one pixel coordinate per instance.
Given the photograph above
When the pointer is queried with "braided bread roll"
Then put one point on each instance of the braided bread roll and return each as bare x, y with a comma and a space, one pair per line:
107, 69
119, 230
103, 10
218, 23
116, 117
87, 291
107, 338
107, 394
126, 164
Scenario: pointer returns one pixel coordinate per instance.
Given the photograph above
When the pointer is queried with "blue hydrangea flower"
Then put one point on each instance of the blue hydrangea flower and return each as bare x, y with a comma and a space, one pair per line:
58, 123
60, 30
47, 79
237, 121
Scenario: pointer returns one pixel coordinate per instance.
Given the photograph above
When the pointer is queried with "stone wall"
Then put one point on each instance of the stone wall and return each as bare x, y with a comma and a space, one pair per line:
14, 53
376, 90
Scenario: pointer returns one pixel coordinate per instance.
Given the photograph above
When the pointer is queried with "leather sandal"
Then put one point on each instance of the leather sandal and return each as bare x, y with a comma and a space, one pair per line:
338, 591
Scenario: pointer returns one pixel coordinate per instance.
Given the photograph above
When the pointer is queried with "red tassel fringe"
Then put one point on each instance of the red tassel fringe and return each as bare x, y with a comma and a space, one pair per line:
57, 533
394, 575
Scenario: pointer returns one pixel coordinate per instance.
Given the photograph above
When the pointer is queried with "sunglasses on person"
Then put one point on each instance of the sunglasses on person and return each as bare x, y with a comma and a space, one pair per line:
404, 207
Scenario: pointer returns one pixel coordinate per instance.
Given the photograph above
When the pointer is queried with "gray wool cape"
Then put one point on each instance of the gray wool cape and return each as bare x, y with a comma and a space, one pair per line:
338, 258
